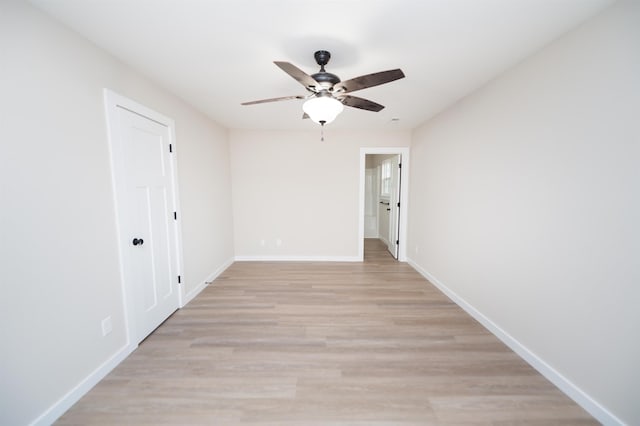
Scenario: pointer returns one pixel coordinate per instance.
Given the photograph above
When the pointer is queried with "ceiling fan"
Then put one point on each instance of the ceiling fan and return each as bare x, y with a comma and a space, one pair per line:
327, 93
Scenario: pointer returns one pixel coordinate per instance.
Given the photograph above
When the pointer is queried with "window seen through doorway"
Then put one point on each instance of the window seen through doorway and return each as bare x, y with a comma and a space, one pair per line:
385, 178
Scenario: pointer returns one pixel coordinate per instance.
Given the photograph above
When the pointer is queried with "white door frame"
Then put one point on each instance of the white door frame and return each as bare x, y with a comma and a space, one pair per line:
113, 101
404, 197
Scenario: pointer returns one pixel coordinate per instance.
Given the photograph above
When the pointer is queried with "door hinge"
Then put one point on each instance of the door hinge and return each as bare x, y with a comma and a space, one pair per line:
398, 204
399, 165
170, 148
397, 242
175, 215
179, 280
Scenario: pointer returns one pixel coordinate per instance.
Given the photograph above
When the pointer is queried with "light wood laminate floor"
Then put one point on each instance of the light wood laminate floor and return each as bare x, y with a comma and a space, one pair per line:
283, 343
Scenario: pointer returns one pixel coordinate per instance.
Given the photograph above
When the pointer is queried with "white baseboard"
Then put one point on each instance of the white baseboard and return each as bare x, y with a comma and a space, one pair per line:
188, 297
571, 390
74, 395
298, 259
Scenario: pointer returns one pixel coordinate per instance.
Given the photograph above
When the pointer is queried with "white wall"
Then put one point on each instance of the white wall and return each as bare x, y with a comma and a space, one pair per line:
205, 195
293, 187
58, 252
525, 201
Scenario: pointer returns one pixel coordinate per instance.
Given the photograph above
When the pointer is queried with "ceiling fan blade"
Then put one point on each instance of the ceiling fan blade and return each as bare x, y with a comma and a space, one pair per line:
302, 77
305, 116
356, 102
283, 98
369, 80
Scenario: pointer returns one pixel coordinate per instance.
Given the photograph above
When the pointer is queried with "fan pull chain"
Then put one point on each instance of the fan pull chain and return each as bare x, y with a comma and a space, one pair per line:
322, 130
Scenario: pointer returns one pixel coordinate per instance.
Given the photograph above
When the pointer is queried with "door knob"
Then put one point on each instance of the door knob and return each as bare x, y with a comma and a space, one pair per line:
138, 241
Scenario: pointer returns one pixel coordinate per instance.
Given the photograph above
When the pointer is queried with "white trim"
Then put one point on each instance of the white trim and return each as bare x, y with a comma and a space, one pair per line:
63, 404
298, 259
177, 228
110, 101
404, 197
565, 385
188, 297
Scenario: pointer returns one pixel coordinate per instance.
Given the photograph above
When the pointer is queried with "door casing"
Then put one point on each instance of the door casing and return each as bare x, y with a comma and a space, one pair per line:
404, 196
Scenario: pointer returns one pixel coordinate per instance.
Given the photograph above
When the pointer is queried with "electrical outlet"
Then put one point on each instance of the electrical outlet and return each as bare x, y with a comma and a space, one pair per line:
107, 327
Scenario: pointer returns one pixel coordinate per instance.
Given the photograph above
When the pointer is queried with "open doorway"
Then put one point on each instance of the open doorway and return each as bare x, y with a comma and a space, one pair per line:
383, 200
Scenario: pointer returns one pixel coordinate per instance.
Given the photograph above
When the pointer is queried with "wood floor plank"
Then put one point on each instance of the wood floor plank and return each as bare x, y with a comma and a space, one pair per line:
313, 343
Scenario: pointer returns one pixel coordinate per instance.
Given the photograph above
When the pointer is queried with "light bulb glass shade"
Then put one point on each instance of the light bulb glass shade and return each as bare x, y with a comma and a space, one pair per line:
322, 108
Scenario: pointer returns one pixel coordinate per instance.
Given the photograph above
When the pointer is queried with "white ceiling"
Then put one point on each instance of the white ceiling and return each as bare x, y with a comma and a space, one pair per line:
216, 54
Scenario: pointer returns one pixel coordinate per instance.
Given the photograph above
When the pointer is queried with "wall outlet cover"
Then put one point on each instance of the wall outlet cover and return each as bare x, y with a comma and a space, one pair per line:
107, 326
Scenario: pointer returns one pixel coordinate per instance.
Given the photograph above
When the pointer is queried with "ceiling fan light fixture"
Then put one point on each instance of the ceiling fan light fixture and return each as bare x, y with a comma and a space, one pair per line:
328, 93
322, 109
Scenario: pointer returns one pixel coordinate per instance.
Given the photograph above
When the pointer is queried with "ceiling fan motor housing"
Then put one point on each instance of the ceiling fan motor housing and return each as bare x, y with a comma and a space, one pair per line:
326, 79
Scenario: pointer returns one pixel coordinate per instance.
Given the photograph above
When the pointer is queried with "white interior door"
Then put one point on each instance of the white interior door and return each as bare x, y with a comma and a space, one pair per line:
147, 219
394, 205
